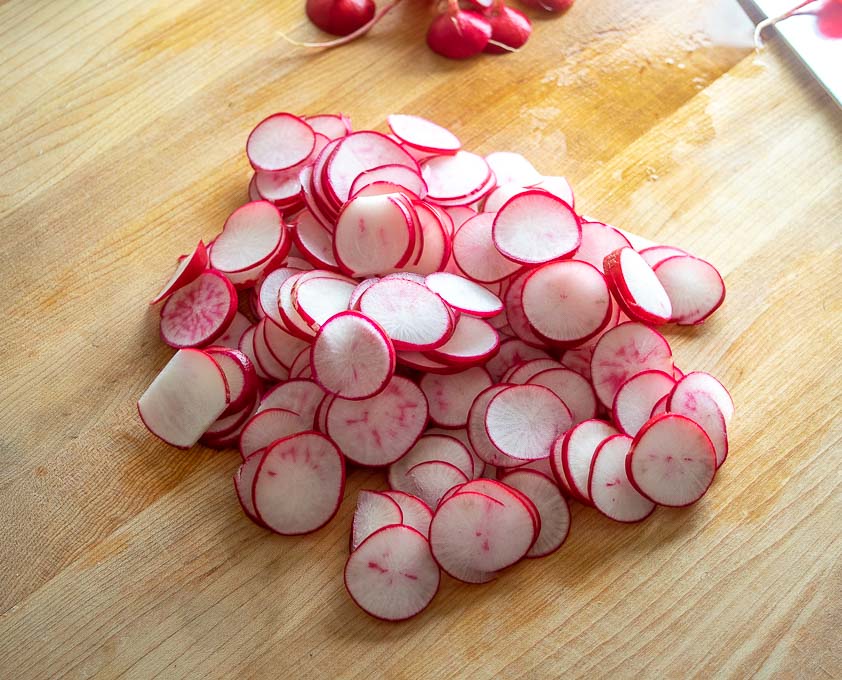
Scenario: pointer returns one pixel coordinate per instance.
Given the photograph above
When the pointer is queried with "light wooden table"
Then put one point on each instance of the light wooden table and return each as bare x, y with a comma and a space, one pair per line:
123, 126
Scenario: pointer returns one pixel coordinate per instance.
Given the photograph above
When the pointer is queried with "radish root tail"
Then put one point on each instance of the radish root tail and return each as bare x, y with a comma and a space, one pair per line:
345, 39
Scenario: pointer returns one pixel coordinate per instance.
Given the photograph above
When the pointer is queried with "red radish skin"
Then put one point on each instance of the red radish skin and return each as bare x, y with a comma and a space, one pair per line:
279, 142
244, 483
199, 312
510, 29
188, 270
458, 34
636, 287
340, 17
374, 511
239, 374
431, 447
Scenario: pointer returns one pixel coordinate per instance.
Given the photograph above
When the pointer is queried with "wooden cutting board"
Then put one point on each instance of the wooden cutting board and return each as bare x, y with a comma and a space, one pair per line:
123, 126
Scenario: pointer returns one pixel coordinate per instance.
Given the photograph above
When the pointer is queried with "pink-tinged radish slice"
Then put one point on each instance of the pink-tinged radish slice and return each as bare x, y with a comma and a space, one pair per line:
399, 175
420, 362
636, 398
248, 278
352, 357
332, 126
459, 214
187, 395
462, 435
312, 201
552, 508
361, 288
383, 188
542, 466
299, 484
518, 322
609, 487
435, 239
558, 187
314, 241
250, 236
694, 286
320, 419
577, 451
252, 190
599, 240
450, 396
661, 407
293, 321
379, 430
557, 466
536, 227
701, 382
579, 360
301, 396
478, 434
423, 134
239, 374
639, 243
283, 346
279, 142
244, 484
431, 447
268, 290
246, 346
453, 178
677, 373
374, 511
413, 316
566, 302
188, 271
224, 432
672, 461
574, 390
464, 295
416, 513
319, 298
501, 195
510, 167
392, 575
406, 276
523, 421
232, 334
265, 359
507, 495
301, 367
268, 426
701, 408
521, 373
655, 254
473, 341
431, 479
636, 287
199, 312
511, 353
475, 253
280, 188
624, 351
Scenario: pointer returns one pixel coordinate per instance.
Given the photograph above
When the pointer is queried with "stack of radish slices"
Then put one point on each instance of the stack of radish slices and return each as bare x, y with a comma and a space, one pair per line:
395, 301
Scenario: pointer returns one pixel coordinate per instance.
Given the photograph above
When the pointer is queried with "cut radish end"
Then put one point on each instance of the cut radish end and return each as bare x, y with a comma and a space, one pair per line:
250, 236
416, 513
244, 484
187, 395
423, 134
577, 451
701, 408
431, 479
636, 398
701, 382
318, 298
695, 288
510, 167
609, 487
655, 254
374, 511
352, 357
392, 575
279, 142
464, 295
314, 240
232, 334
239, 375
430, 447
478, 434
450, 396
551, 506
188, 271
473, 341
511, 353
199, 312
520, 374
599, 240
398, 175
636, 287
536, 227
475, 253
301, 396
672, 461
456, 177
268, 426
574, 390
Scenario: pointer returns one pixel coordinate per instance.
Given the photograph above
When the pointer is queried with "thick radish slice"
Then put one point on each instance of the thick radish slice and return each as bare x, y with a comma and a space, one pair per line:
624, 351
574, 390
701, 382
374, 511
279, 142
655, 254
439, 447
352, 357
523, 421
232, 334
578, 448
636, 398
558, 187
331, 125
399, 175
536, 227
609, 487
551, 506
267, 293
283, 346
265, 359
314, 241
450, 396
599, 240
636, 287
268, 426
510, 167
694, 286
188, 270
420, 362
302, 396
431, 479
252, 233
379, 430
199, 312
482, 446
239, 374
416, 513
456, 177
671, 461
187, 396
521, 373
318, 298
473, 341
299, 484
392, 574
423, 134
464, 295
248, 278
511, 353
702, 409
475, 253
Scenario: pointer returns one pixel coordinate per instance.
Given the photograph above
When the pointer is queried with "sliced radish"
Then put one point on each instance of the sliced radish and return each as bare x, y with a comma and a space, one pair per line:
239, 375
279, 142
250, 236
420, 362
252, 189
399, 175
283, 346
455, 178
552, 508
435, 239
521, 373
462, 435
578, 448
609, 487
431, 479
361, 288
301, 396
464, 295
701, 382
246, 346
672, 461
423, 134
599, 240
282, 188
293, 321
265, 359
318, 298
510, 167
636, 287
244, 484
267, 293
472, 342
695, 287
511, 353
636, 398
332, 126
500, 196
558, 187
655, 254
199, 312
481, 445
314, 240
536, 227
225, 431
268, 426
301, 367
573, 389
430, 447
475, 253
505, 494
188, 270
416, 513
232, 334
518, 322
374, 511
450, 396
703, 410
459, 214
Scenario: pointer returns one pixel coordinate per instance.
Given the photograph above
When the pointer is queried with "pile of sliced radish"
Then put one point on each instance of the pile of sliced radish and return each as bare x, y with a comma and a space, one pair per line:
391, 300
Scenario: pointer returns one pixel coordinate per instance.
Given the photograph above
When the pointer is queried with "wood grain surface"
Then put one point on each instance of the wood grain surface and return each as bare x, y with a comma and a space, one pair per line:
123, 127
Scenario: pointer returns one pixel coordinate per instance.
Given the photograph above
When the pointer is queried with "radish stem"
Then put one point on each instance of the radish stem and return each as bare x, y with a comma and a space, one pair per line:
771, 21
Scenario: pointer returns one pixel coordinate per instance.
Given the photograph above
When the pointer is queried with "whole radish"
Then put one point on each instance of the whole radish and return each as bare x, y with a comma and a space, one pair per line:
509, 29
340, 17
458, 33
549, 5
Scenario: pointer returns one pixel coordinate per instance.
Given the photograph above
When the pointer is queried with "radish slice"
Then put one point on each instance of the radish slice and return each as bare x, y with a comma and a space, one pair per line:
624, 351
505, 494
414, 317
301, 367
523, 421
558, 187
672, 461
430, 447
456, 177
379, 430
458, 214
361, 288
282, 188
188, 271
265, 359
199, 312
431, 479
392, 575
187, 395
518, 322
501, 195
246, 346
701, 408
699, 382
661, 407
636, 398
239, 375
283, 346
655, 254
234, 331
464, 295
244, 483
695, 288
268, 426
574, 390
636, 287
420, 362
314, 241
481, 444
301, 396
374, 511
473, 341
318, 298
423, 134
250, 236
279, 142
293, 321
268, 293
511, 353
462, 435
450, 396
536, 227
224, 432
566, 302
332, 126
609, 487
399, 175
299, 484
416, 513
599, 240
510, 167
578, 448
435, 239
520, 374
352, 357
475, 253
551, 506
252, 190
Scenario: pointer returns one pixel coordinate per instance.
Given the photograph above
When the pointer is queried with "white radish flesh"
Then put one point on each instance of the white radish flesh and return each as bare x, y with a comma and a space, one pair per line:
301, 396
431, 479
609, 487
423, 134
268, 426
599, 240
636, 398
431, 447
473, 340
456, 177
374, 511
416, 513
464, 295
695, 288
703, 410
577, 451
551, 506
318, 298
250, 236
510, 167
701, 382
511, 353
475, 253
450, 396
535, 227
574, 390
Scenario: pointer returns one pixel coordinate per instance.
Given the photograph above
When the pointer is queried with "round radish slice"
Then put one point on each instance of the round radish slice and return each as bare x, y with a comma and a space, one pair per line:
265, 359
439, 447
293, 321
523, 372
456, 177
523, 421
414, 317
506, 495
462, 435
558, 187
609, 487
301, 365
279, 142
374, 511
283, 346
332, 126
557, 466
244, 484
392, 575
599, 240
636, 287
464, 295
423, 134
299, 484
510, 167
551, 506
431, 479
661, 407
512, 352
416, 513
318, 298
301, 396
701, 408
458, 214
450, 396
314, 240
399, 175
574, 390
239, 374
361, 288
695, 287
246, 346
434, 240
352, 357
577, 451
482, 446
224, 432
199, 312
501, 195
232, 334
473, 341
268, 426
566, 302
624, 351
188, 270
701, 382
672, 461
636, 398
268, 293
579, 360
518, 322
475, 253
250, 236
536, 227
281, 188
379, 430
187, 396
655, 254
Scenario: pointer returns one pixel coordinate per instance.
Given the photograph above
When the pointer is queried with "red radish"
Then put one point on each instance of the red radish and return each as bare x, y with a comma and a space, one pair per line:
511, 353
699, 382
299, 484
279, 142
301, 396
250, 236
512, 168
574, 390
431, 447
472, 342
268, 426
374, 511
281, 188
416, 513
535, 227
318, 298
332, 126
340, 17
701, 408
423, 134
199, 312
187, 395
551, 506
522, 372
636, 287
636, 398
510, 29
239, 375
314, 241
695, 288
464, 295
244, 483
450, 396
672, 461
578, 448
458, 34
609, 487
501, 195
655, 254
558, 187
352, 357
475, 253
456, 177
481, 444
599, 240
505, 494
431, 479
283, 346
188, 270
